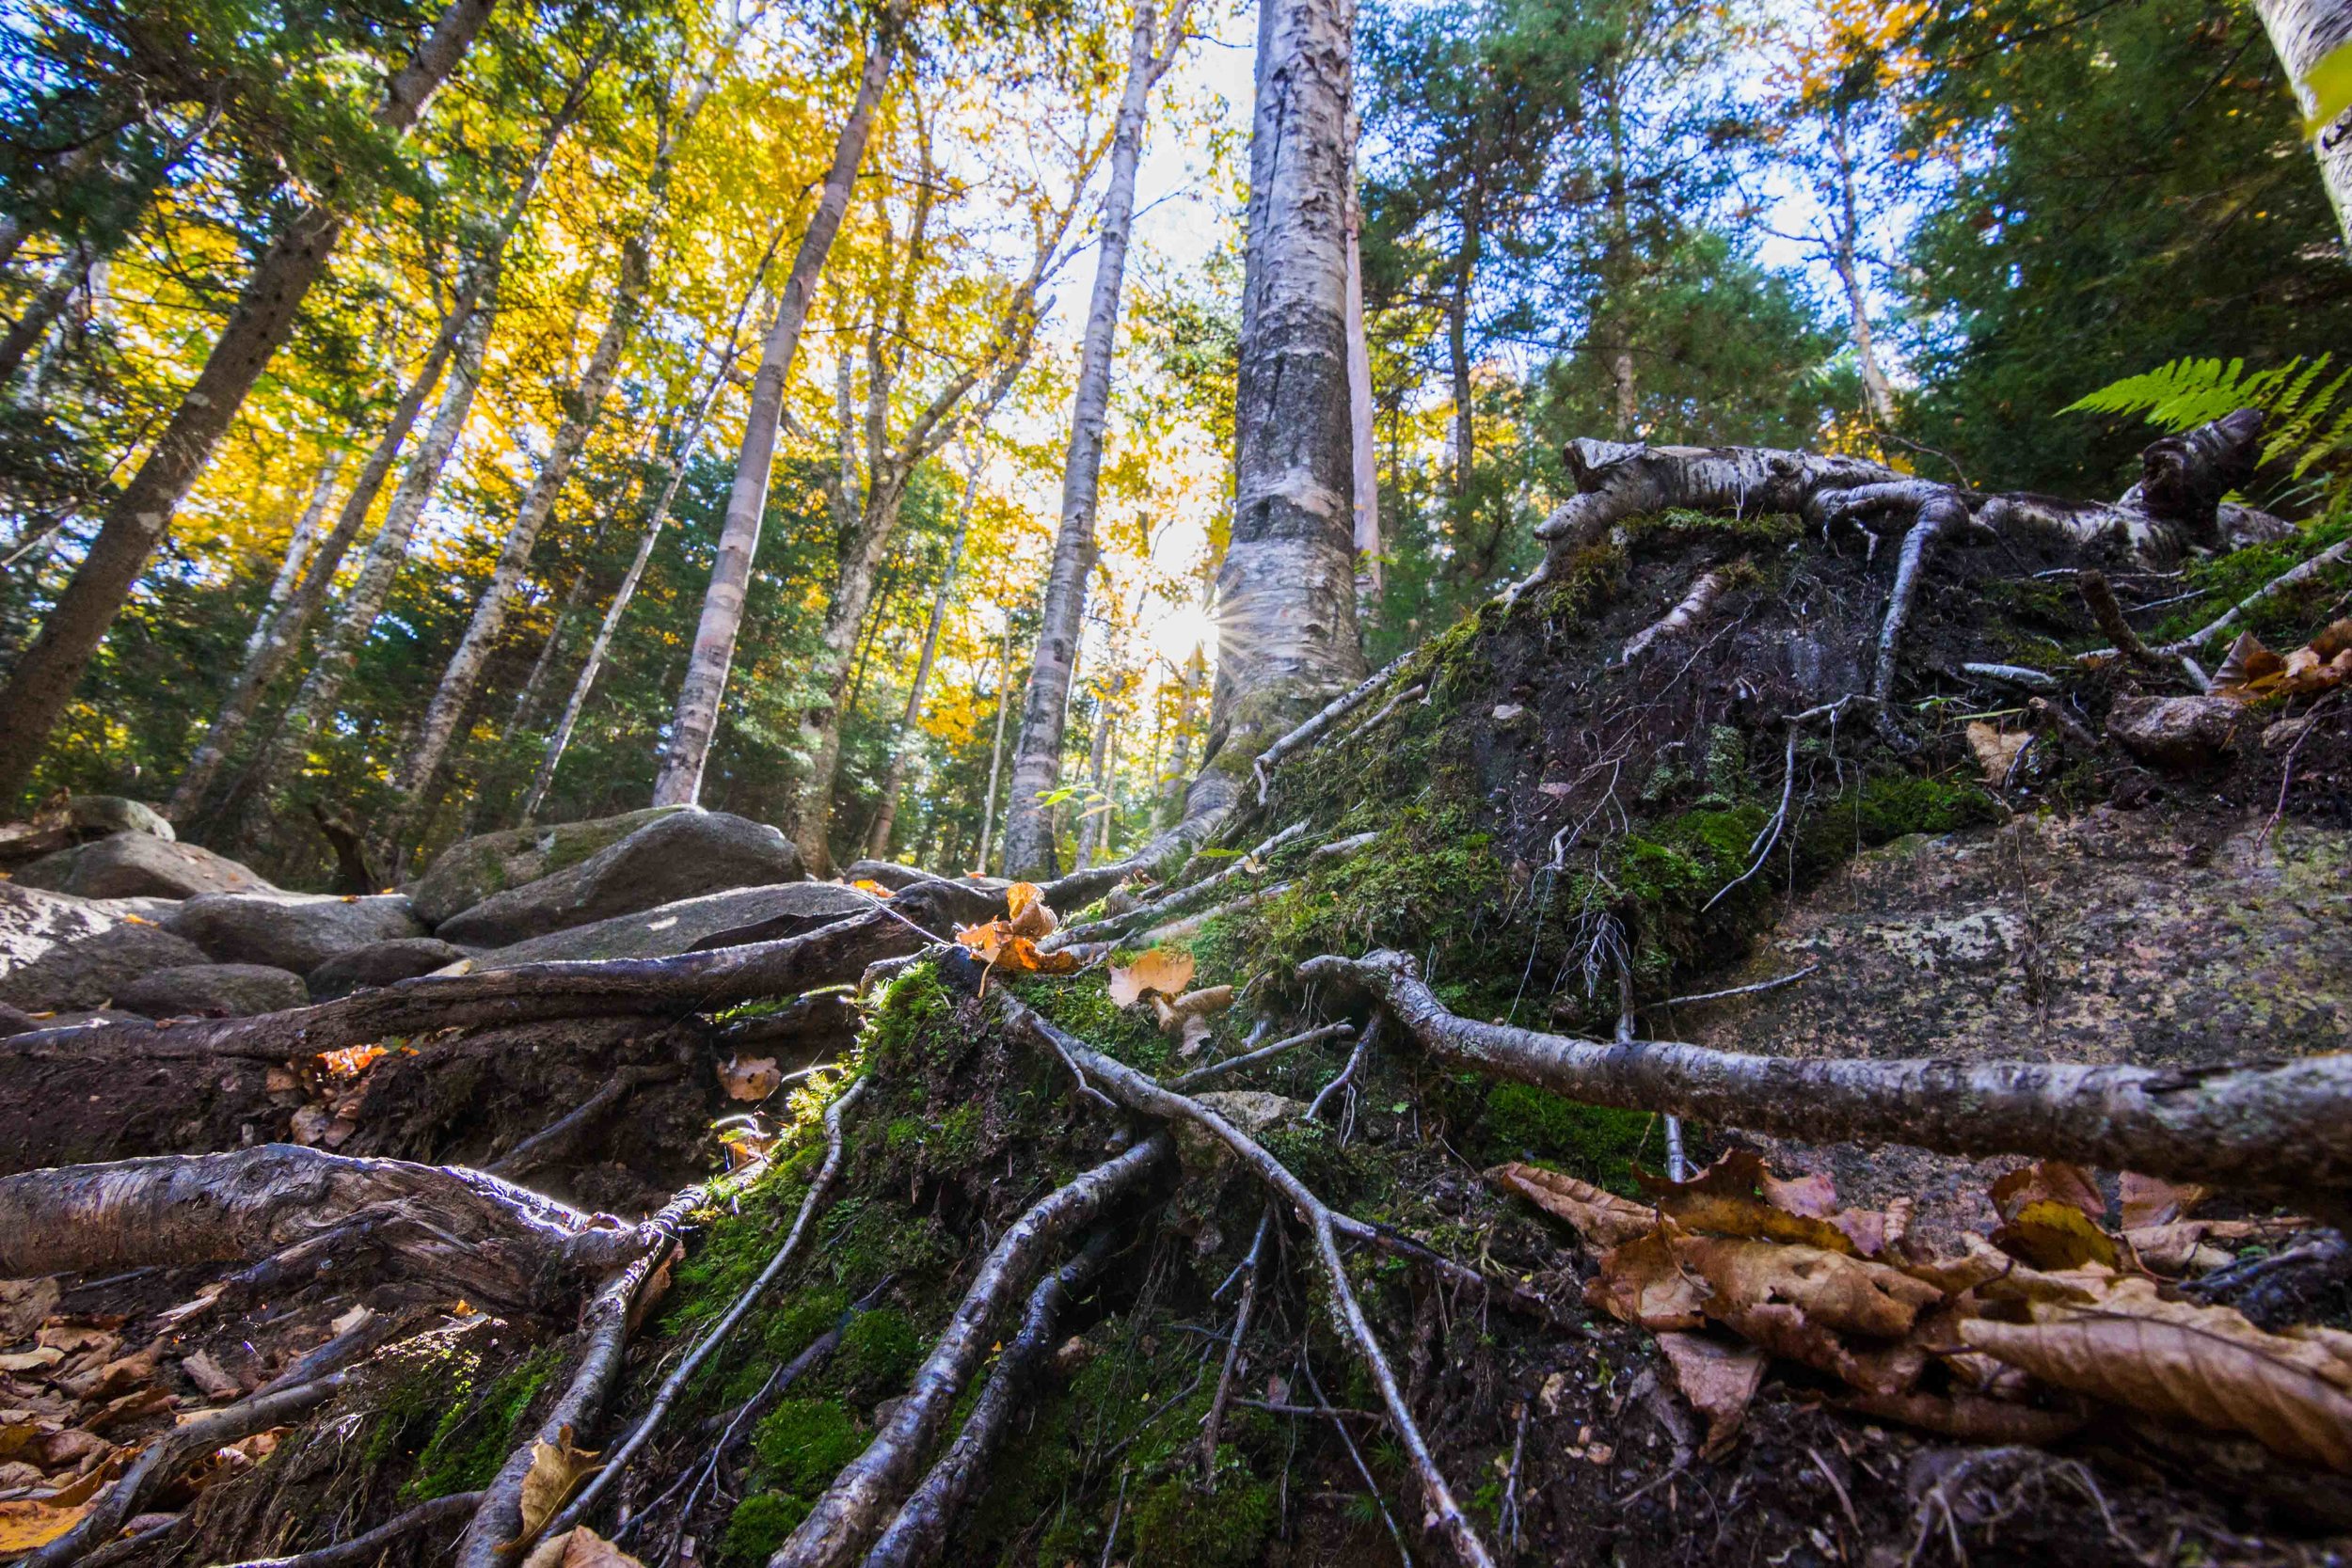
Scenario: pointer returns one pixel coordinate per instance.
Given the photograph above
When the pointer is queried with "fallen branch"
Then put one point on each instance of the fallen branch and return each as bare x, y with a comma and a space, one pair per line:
2268, 590
474, 1234
1382, 712
363, 1549
576, 1511
1177, 899
173, 1452
1757, 989
1141, 1094
1186, 925
852, 1508
2013, 674
919, 1532
2282, 1132
1312, 730
1198, 1076
1216, 1421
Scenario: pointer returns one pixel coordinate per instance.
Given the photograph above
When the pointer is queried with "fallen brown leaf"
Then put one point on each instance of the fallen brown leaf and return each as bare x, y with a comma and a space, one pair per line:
2048, 1181
32, 1360
25, 1526
1996, 752
1719, 1379
750, 1078
2152, 1200
578, 1547
2180, 1362
1602, 1218
2248, 667
557, 1470
1850, 1294
2051, 1234
1642, 1282
1785, 1331
1165, 970
22, 1305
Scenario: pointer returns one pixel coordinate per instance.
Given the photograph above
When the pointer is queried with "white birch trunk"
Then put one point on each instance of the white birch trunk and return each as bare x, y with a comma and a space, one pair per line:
2304, 32
996, 751
298, 544
886, 811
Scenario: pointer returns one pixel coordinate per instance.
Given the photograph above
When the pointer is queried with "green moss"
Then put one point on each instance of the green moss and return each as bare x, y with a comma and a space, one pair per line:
1180, 1526
868, 1237
1891, 805
1085, 1009
1765, 527
1595, 1143
878, 1350
474, 1437
913, 1015
2226, 579
803, 1443
760, 1524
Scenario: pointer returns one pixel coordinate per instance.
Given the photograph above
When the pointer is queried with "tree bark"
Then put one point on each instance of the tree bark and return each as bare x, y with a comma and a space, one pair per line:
1365, 462
996, 751
680, 779
299, 547
43, 680
902, 752
1286, 593
2304, 32
1037, 755
1878, 393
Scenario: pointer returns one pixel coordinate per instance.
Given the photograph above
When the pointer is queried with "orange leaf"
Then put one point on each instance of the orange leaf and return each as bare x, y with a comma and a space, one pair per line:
1165, 970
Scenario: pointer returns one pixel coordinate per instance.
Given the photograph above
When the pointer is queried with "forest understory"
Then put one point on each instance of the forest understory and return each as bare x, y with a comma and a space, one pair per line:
1324, 1191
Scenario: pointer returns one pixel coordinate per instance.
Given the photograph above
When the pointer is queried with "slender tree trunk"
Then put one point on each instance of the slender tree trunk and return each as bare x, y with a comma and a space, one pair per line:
1364, 457
682, 453
463, 331
1171, 784
2304, 32
1286, 591
852, 597
1878, 393
705, 683
1037, 757
996, 751
42, 682
72, 272
298, 544
902, 750
1094, 833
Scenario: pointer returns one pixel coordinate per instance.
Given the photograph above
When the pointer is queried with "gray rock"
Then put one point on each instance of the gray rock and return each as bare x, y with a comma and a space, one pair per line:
81, 1016
692, 925
380, 963
34, 920
16, 1021
671, 858
291, 930
2176, 732
92, 969
132, 865
473, 869
98, 815
213, 991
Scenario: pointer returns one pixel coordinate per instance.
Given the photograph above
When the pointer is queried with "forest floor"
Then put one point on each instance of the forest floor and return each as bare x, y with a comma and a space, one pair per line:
1559, 836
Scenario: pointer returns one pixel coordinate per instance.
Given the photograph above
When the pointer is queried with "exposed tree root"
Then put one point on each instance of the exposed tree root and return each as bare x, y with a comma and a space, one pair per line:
1141, 1094
168, 1455
1177, 900
852, 1508
2279, 1131
1681, 618
1198, 1076
819, 1191
555, 1140
919, 1533
464, 1231
2268, 590
368, 1547
1939, 514
1251, 1263
1312, 730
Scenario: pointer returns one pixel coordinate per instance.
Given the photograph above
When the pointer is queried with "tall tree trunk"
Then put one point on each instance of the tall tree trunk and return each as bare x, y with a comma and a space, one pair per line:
1171, 784
680, 779
298, 545
1094, 830
429, 748
72, 271
2304, 32
465, 324
42, 682
1878, 393
902, 749
1037, 757
1286, 591
681, 450
995, 752
1363, 454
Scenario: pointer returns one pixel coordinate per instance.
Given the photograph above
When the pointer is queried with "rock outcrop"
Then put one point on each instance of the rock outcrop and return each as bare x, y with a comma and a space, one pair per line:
690, 924
676, 856
380, 963
94, 968
213, 990
474, 869
291, 930
135, 865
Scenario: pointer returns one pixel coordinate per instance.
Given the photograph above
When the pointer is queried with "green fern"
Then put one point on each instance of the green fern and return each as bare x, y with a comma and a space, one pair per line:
2310, 421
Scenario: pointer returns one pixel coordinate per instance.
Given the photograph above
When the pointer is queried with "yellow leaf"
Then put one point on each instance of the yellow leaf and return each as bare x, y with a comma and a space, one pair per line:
1165, 970
25, 1526
2051, 1234
865, 885
557, 1470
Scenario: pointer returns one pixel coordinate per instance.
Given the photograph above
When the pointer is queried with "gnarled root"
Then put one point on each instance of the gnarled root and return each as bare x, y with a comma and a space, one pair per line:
464, 1231
365, 1548
852, 1510
919, 1532
2275, 1132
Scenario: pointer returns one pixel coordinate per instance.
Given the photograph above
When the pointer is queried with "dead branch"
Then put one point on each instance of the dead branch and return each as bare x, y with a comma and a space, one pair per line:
474, 1234
1185, 925
1383, 711
1312, 730
173, 1452
819, 1191
2268, 592
2013, 675
1198, 1076
1141, 1094
2283, 1131
1249, 1269
1681, 618
852, 1508
919, 1532
1176, 900
363, 1549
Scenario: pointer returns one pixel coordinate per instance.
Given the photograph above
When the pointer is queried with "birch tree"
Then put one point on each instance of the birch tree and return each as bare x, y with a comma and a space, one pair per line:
2314, 39
44, 675
1037, 757
902, 747
1286, 590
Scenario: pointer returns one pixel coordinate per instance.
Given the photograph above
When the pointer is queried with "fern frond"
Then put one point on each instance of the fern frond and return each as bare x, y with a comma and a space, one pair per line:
2184, 393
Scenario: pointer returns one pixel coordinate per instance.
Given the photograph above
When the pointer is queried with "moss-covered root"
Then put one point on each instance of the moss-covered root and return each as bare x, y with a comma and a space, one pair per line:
852, 1508
919, 1533
2281, 1133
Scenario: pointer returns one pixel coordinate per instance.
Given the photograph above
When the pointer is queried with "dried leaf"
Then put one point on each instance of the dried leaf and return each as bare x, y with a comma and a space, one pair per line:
208, 1375
1785, 1331
22, 1305
312, 1124
1970, 1417
2175, 1362
1718, 1378
2051, 1234
2333, 639
2052, 1180
25, 1526
32, 1360
1996, 752
1210, 999
1727, 1215
1601, 1218
868, 886
557, 1470
2248, 665
750, 1078
1025, 911
1165, 970
351, 1060
996, 944
1837, 1291
1642, 1282
2152, 1200
578, 1547
2185, 1246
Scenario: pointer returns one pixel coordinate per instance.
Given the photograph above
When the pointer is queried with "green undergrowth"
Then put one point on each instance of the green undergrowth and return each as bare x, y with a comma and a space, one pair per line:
2283, 622
478, 1422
